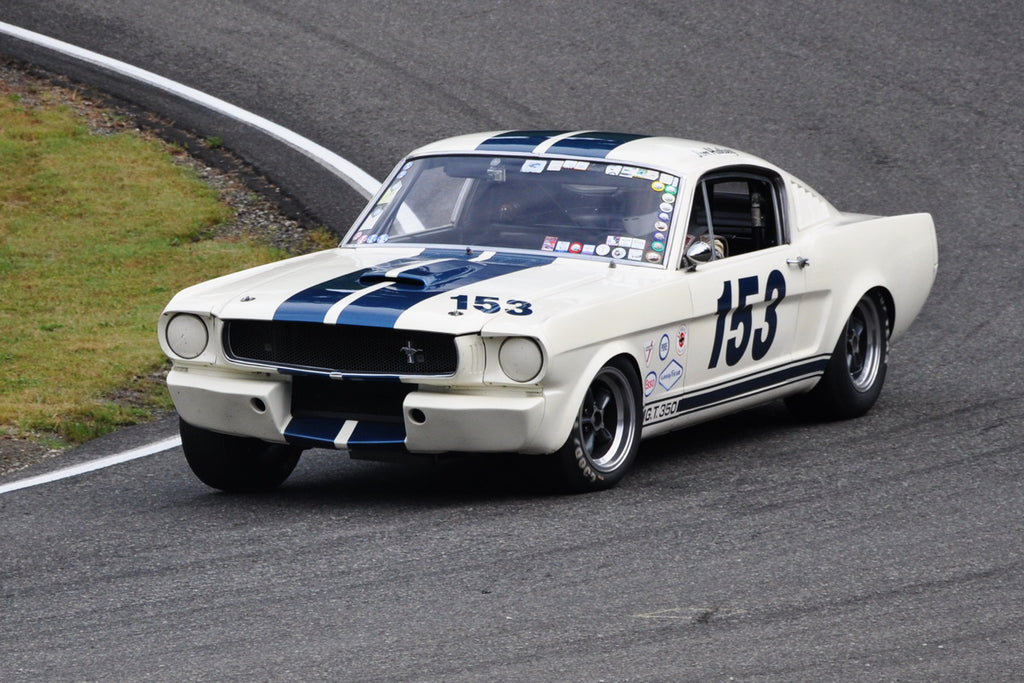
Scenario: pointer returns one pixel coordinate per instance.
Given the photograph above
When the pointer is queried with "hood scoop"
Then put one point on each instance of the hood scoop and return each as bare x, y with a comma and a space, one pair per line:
427, 277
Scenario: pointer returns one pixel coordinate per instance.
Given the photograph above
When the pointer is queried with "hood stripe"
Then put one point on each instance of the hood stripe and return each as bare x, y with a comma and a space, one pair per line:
312, 303
382, 306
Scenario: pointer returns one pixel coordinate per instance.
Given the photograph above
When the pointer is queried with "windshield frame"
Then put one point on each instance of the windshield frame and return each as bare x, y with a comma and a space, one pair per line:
636, 239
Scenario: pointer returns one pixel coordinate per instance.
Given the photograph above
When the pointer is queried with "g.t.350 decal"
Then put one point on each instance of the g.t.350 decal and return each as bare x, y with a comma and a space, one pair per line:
742, 318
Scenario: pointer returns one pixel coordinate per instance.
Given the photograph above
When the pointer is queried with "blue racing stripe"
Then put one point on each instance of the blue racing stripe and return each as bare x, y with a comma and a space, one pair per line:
596, 145
312, 304
382, 307
312, 432
518, 140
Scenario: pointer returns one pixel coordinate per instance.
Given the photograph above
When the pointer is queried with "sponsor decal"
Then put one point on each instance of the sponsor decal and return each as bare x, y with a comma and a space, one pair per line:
618, 252
602, 250
635, 255
562, 245
672, 373
533, 166
663, 346
665, 207
681, 338
648, 352
658, 186
650, 383
549, 244
588, 249
668, 198
575, 248
652, 257
658, 246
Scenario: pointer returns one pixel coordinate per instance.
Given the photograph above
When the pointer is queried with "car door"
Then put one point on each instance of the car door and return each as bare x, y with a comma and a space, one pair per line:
746, 299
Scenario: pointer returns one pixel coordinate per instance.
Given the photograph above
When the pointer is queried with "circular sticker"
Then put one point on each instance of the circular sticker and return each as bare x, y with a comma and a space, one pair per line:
653, 257
658, 246
618, 252
671, 189
668, 198
660, 236
666, 208
602, 250
658, 186
575, 248
650, 383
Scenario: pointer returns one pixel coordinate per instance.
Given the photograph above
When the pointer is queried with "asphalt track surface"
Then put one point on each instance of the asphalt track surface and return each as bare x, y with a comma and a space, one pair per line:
755, 548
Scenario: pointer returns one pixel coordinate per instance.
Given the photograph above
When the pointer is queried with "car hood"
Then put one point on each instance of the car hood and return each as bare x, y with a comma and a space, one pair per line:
444, 290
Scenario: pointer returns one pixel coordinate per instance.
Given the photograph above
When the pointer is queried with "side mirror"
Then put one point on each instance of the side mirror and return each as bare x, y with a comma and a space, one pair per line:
698, 252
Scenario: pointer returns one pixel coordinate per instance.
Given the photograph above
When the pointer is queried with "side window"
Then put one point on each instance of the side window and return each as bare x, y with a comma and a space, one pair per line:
744, 213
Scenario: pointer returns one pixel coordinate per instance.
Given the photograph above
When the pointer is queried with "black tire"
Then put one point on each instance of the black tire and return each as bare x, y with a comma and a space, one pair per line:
236, 464
856, 371
605, 435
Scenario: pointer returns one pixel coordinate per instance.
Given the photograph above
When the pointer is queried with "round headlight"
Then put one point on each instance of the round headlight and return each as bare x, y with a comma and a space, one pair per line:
520, 358
187, 335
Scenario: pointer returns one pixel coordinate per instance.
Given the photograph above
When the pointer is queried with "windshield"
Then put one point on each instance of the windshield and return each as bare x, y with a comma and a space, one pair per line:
568, 207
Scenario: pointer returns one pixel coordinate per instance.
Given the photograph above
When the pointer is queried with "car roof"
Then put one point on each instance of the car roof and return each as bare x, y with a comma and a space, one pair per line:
681, 156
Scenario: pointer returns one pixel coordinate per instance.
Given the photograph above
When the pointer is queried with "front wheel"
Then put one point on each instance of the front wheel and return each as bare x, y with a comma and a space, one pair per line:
236, 464
856, 371
605, 435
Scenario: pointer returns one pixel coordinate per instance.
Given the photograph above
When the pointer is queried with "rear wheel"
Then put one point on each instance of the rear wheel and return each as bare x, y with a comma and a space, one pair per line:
605, 435
236, 464
856, 371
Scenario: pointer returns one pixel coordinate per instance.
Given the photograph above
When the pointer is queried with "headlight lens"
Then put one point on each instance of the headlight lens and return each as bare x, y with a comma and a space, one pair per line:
187, 335
520, 358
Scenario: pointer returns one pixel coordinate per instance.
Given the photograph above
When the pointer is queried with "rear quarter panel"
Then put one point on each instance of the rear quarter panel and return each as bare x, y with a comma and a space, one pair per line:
852, 255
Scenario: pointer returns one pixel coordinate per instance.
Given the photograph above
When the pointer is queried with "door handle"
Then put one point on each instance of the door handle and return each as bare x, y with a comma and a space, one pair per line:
799, 261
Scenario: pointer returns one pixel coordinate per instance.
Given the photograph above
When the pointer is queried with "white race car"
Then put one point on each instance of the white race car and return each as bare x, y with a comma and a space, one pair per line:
563, 293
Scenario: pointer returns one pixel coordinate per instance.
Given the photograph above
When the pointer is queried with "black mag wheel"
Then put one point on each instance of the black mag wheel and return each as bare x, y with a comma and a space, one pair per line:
605, 435
856, 371
236, 464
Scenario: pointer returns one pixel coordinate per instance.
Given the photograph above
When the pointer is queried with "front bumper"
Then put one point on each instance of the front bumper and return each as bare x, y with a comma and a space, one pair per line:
432, 421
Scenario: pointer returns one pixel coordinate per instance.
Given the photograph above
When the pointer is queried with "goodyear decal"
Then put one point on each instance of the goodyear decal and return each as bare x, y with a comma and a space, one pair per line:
432, 272
584, 144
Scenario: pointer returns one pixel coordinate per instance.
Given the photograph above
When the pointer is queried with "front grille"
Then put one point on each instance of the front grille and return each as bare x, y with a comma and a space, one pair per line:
348, 349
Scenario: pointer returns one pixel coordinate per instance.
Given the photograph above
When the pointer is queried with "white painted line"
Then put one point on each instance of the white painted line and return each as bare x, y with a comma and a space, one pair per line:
98, 464
356, 177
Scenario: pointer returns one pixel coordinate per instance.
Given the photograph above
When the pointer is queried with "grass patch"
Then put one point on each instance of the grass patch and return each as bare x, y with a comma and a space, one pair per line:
96, 234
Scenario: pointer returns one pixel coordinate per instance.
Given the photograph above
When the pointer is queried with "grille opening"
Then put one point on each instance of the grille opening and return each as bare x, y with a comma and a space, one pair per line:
350, 349
348, 399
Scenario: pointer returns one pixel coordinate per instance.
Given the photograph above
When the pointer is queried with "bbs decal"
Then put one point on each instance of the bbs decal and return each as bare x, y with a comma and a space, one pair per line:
738, 312
492, 304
